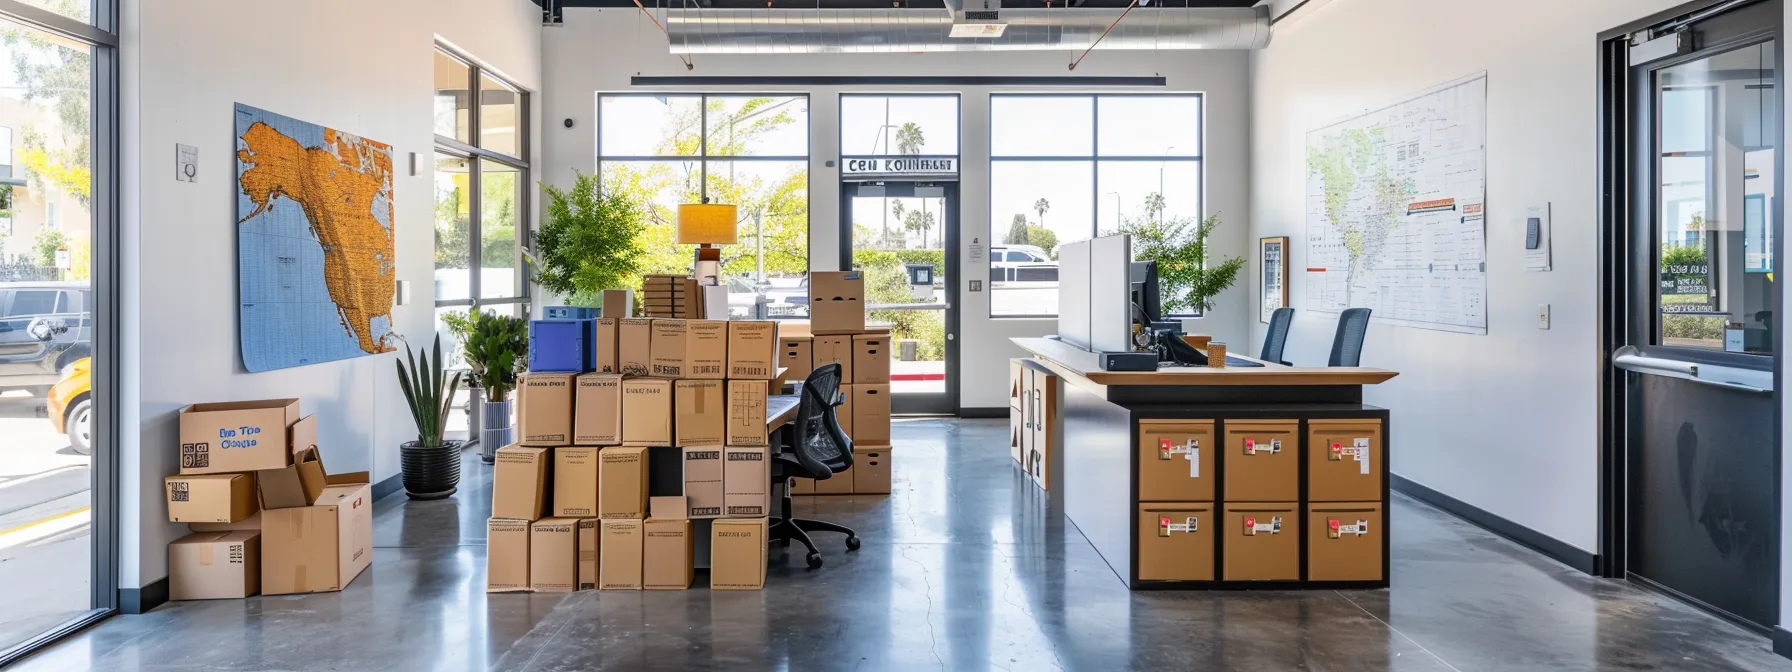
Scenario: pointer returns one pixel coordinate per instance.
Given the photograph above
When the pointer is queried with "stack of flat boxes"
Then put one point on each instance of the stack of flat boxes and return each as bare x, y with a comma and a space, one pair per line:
672, 296
838, 335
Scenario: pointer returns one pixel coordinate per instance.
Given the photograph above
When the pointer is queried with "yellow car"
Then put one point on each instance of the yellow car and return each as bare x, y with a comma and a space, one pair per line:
71, 405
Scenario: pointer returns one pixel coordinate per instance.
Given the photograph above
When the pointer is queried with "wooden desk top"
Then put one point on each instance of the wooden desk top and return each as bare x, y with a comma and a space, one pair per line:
1087, 364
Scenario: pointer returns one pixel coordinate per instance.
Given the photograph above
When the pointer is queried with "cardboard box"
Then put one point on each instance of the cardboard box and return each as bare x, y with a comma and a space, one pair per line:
706, 349
560, 346
843, 412
214, 565
544, 409
575, 482
752, 350
839, 484
597, 410
1176, 541
670, 507
702, 410
1344, 541
737, 549
836, 302
506, 555
666, 554
1344, 460
703, 491
519, 482
871, 359
1262, 542
253, 522
209, 498
797, 353
322, 547
746, 413
299, 483
622, 487
746, 481
604, 339
236, 436
1176, 461
554, 555
588, 545
1263, 461
620, 552
619, 303
668, 348
835, 350
634, 346
802, 486
871, 414
647, 412
870, 469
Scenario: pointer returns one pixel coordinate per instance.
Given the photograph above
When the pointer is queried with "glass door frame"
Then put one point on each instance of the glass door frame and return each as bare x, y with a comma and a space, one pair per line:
946, 403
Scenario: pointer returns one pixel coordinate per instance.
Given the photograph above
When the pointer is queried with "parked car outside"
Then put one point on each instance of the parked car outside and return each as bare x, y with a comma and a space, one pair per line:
44, 328
70, 405
1021, 263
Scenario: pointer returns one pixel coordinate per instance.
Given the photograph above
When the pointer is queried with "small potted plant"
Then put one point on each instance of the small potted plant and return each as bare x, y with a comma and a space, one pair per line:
431, 464
496, 347
1179, 246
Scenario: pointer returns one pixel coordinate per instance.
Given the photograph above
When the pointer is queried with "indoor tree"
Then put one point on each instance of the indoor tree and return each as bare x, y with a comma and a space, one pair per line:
589, 241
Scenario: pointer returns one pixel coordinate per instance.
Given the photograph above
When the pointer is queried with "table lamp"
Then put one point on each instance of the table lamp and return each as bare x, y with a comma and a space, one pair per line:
706, 226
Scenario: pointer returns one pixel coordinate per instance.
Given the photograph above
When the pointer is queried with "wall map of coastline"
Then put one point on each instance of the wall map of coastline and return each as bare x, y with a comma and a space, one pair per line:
314, 242
1395, 211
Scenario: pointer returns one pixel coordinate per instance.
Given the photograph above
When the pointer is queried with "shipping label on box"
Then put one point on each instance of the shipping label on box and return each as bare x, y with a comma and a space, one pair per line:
597, 410
706, 349
589, 537
737, 548
575, 482
871, 359
746, 413
215, 565
506, 555
798, 355
702, 410
634, 346
519, 482
604, 339
752, 350
319, 548
668, 348
871, 414
620, 552
835, 350
210, 498
622, 488
703, 490
236, 436
746, 481
647, 412
544, 409
554, 555
666, 554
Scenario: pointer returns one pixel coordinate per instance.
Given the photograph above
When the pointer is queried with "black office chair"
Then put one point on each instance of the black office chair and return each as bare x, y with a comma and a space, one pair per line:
1347, 346
818, 450
1277, 338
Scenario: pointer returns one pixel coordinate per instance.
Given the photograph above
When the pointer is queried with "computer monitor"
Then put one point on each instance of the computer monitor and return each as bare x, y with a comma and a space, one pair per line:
1146, 296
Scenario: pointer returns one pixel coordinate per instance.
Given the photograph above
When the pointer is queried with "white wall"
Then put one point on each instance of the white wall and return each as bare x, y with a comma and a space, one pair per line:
361, 67
600, 49
1507, 421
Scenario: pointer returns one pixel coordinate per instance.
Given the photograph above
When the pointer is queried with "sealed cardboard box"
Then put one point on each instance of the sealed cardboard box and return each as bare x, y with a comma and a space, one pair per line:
622, 491
1263, 461
746, 413
871, 414
299, 483
544, 409
870, 469
588, 544
214, 565
1176, 459
835, 350
554, 555
647, 412
871, 358
210, 498
634, 346
752, 350
604, 340
836, 302
1262, 542
619, 303
235, 436
702, 410
666, 554
797, 353
506, 555
560, 346
322, 547
737, 549
253, 522
519, 482
668, 348
703, 490
620, 551
843, 412
575, 482
669, 507
597, 410
746, 480
1344, 460
706, 349
1344, 542
1176, 541
840, 484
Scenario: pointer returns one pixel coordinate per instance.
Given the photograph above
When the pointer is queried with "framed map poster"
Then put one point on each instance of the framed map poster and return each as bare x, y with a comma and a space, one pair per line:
315, 261
1274, 255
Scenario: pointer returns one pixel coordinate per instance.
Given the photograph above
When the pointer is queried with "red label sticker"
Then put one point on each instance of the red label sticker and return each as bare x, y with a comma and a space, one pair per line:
1333, 523
1250, 521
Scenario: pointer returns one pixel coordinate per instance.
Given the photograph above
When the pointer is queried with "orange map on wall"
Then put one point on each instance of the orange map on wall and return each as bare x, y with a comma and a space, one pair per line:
314, 242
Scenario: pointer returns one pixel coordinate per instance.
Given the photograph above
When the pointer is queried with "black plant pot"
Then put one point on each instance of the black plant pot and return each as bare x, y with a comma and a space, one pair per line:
430, 473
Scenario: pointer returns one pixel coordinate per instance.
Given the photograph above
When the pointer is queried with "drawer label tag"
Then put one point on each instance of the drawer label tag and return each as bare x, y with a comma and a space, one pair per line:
1190, 450
1165, 527
1252, 526
1252, 447
1336, 529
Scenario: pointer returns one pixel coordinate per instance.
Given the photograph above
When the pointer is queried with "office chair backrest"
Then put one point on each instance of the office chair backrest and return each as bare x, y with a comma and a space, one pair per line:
1277, 338
820, 447
1347, 346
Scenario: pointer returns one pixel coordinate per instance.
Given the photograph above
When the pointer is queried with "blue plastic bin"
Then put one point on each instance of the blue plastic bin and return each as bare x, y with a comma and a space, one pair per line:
561, 346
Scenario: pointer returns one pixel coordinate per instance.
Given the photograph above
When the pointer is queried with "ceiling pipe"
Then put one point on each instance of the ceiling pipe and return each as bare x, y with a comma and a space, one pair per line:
807, 31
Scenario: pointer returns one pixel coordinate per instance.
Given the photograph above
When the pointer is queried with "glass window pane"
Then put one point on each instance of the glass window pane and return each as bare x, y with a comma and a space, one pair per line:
74, 9
499, 117
500, 196
1149, 125
758, 126
1035, 206
453, 118
874, 125
27, 302
772, 252
659, 187
1041, 126
1129, 193
649, 125
453, 220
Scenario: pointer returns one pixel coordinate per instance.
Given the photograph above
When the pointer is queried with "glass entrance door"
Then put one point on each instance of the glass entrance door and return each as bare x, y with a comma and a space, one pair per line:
904, 236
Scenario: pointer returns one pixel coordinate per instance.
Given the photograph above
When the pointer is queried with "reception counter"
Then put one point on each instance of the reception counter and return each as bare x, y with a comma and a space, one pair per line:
1199, 478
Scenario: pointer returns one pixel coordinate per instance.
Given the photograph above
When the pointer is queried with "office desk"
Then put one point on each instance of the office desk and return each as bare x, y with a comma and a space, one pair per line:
1163, 470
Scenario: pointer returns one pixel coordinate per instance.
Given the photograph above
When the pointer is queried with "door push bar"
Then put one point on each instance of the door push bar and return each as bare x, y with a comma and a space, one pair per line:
1629, 358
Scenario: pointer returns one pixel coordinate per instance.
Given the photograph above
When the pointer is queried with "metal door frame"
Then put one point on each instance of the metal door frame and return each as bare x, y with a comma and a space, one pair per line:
919, 404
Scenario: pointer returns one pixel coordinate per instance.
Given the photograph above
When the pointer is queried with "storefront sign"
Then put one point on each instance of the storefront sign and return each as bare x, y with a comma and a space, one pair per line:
900, 165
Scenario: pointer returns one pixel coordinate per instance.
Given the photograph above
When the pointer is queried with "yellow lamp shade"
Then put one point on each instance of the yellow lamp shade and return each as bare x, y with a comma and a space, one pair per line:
705, 223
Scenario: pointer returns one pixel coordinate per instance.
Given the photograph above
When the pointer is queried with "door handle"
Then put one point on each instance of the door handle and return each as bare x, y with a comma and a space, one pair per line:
1630, 359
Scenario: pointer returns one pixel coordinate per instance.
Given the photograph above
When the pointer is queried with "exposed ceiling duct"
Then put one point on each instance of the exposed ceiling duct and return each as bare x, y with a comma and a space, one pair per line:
808, 31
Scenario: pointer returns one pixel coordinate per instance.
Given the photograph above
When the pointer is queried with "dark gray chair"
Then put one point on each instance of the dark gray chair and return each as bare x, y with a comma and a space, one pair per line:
1347, 346
818, 450
1277, 338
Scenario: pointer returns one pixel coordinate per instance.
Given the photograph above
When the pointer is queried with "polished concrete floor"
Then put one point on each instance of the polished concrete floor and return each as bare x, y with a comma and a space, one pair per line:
964, 567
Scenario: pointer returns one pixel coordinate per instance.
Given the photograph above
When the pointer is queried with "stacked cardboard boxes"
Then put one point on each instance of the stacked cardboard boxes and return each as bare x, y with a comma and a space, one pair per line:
838, 335
671, 296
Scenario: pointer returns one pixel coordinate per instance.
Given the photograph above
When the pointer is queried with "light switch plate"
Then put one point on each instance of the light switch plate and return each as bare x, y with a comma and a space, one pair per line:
1542, 316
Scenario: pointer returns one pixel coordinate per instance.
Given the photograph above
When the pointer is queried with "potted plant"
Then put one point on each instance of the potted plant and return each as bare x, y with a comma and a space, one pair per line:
1179, 246
496, 347
589, 240
431, 464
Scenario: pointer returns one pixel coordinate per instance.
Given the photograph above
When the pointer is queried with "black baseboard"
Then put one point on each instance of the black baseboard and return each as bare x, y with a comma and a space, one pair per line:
140, 600
1782, 642
1561, 551
995, 412
388, 486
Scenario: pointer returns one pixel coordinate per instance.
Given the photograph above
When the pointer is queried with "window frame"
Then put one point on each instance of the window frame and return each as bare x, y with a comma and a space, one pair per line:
476, 157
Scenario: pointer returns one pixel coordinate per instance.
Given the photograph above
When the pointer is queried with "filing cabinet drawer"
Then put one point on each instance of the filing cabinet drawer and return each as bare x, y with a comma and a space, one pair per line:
1262, 461
1262, 542
1176, 542
1176, 461
1344, 542
1344, 460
